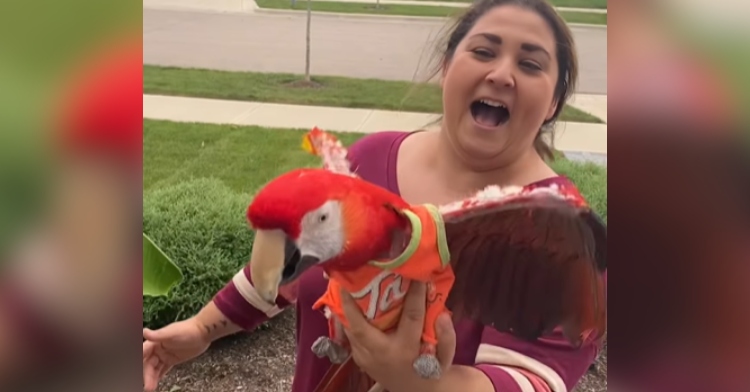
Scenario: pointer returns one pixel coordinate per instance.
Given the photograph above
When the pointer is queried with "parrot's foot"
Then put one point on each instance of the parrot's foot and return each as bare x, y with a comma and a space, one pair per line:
325, 347
427, 366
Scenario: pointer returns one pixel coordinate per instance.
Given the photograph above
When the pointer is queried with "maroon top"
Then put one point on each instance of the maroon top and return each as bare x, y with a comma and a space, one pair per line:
550, 364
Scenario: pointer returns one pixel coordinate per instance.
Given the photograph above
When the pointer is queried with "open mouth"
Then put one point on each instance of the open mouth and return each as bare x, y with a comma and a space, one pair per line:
489, 113
291, 263
295, 263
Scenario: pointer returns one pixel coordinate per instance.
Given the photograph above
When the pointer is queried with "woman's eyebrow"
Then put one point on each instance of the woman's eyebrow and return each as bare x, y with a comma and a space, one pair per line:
495, 39
528, 47
534, 48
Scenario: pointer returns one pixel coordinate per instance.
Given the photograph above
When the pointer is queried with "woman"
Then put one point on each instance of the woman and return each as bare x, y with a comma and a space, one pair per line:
507, 68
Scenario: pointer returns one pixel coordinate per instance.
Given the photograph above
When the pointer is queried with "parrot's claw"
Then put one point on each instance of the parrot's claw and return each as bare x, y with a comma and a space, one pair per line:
325, 347
427, 366
322, 346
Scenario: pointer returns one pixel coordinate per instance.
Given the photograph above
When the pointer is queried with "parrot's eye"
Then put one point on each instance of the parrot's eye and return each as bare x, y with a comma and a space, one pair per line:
323, 218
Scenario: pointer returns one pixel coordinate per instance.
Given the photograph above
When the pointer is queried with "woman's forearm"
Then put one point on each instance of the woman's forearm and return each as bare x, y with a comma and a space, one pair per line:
464, 378
214, 324
457, 378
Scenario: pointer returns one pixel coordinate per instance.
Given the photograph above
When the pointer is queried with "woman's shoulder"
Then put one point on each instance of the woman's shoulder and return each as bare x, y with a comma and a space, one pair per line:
373, 157
375, 144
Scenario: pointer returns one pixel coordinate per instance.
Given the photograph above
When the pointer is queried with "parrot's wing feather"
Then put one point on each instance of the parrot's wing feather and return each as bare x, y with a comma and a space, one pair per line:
329, 149
528, 261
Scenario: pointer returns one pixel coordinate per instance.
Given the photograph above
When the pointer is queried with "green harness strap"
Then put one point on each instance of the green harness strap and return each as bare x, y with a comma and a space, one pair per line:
416, 236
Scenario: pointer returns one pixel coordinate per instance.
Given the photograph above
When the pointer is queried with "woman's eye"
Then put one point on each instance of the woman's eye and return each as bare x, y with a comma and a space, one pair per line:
532, 65
483, 53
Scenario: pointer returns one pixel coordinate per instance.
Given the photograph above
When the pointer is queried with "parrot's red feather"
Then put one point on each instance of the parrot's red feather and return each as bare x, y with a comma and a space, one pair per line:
528, 263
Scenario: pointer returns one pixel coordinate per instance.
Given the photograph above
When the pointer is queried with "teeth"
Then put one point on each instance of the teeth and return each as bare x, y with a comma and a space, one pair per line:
493, 103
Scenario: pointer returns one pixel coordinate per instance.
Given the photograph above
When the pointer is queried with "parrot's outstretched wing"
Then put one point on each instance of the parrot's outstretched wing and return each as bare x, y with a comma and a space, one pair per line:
329, 149
527, 261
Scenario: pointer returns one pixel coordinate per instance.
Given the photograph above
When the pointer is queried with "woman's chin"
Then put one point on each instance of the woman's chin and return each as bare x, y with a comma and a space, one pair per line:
481, 146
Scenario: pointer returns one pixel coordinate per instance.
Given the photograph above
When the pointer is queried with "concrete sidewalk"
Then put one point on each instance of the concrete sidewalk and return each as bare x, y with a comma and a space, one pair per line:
578, 138
594, 104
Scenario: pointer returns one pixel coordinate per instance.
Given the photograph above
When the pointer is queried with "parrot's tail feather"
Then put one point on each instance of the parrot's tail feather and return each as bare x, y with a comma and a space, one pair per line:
345, 377
329, 149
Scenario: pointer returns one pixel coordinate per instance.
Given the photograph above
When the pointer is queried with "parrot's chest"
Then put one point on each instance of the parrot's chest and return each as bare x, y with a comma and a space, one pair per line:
380, 298
380, 287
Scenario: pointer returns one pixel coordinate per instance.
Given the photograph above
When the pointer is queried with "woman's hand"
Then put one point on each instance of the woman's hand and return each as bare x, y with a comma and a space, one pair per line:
174, 344
180, 342
388, 359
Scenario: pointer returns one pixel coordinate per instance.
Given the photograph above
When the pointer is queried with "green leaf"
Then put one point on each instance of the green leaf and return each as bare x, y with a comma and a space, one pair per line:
160, 274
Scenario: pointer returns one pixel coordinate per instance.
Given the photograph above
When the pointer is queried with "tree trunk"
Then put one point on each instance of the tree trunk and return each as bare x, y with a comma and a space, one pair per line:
307, 52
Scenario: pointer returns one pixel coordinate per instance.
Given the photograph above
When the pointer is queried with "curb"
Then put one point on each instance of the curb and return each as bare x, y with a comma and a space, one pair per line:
197, 10
273, 11
246, 7
583, 156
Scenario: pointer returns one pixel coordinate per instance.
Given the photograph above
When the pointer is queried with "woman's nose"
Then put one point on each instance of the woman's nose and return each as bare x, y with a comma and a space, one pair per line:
501, 75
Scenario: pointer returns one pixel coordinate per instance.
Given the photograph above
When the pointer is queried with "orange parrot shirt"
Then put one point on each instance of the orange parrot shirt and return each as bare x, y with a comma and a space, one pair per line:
379, 287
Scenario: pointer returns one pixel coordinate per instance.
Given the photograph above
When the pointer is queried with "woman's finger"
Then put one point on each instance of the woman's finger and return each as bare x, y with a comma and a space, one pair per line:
446, 337
339, 336
411, 323
359, 327
148, 349
151, 373
163, 369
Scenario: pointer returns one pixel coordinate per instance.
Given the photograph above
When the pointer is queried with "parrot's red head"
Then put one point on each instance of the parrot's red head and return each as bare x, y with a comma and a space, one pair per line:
310, 217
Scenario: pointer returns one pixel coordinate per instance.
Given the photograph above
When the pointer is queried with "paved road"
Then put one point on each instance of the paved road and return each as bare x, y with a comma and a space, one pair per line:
355, 47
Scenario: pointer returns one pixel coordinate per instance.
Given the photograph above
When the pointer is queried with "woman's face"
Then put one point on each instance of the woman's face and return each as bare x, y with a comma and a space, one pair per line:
498, 87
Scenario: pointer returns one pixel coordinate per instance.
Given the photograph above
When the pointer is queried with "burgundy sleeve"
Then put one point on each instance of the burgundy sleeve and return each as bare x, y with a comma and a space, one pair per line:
242, 305
549, 364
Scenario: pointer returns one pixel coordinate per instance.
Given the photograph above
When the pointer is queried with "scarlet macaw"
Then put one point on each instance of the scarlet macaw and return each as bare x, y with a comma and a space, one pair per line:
524, 260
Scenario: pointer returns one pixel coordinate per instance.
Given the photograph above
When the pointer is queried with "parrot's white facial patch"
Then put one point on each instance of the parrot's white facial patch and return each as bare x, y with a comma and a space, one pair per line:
322, 233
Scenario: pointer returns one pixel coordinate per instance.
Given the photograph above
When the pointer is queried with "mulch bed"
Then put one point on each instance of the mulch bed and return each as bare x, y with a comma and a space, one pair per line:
263, 361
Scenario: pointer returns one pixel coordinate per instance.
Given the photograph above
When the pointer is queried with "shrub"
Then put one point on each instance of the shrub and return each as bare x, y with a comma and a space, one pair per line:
201, 225
591, 181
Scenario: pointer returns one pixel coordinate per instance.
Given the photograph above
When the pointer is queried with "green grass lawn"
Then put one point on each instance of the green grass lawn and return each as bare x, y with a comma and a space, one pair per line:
334, 91
407, 10
245, 158
598, 4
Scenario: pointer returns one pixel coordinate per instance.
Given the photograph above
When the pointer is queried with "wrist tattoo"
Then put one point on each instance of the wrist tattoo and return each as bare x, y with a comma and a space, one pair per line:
215, 326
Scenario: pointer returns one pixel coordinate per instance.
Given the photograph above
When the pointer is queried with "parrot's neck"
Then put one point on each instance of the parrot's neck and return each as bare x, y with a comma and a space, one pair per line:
407, 240
404, 244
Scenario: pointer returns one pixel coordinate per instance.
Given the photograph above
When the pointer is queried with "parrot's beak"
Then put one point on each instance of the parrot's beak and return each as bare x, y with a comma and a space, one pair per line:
267, 263
296, 263
276, 261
